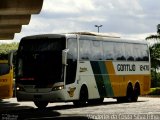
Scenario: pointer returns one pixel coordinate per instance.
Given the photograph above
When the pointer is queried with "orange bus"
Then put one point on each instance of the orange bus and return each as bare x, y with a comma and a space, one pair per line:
6, 77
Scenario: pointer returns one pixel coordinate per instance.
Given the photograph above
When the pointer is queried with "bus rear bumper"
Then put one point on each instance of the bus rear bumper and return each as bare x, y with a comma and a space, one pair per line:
53, 96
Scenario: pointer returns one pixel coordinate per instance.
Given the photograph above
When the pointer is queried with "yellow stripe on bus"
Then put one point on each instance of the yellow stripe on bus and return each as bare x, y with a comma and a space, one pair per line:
119, 82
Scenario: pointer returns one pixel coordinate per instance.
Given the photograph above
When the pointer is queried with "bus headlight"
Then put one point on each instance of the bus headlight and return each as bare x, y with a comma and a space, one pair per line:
18, 88
58, 87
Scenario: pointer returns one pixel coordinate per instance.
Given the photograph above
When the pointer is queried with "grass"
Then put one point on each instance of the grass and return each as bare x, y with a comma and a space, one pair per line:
154, 91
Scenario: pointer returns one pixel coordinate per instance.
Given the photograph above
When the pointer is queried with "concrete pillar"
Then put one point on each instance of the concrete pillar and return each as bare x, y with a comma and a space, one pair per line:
10, 29
20, 7
14, 14
14, 19
6, 36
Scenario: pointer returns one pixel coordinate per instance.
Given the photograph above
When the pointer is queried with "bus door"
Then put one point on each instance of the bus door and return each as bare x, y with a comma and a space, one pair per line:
71, 69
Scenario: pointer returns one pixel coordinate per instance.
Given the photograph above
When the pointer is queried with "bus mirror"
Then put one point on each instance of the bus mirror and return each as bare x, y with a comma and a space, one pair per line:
10, 57
64, 56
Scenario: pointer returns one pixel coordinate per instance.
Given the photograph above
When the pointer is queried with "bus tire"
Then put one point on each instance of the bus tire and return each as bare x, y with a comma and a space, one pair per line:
41, 104
136, 92
83, 97
129, 95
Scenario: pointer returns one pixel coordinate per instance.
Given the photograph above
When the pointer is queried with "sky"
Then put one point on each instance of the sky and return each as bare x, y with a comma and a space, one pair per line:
133, 19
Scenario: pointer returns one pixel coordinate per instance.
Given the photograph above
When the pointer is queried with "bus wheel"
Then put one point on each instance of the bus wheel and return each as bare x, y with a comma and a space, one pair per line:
83, 97
136, 93
41, 104
129, 96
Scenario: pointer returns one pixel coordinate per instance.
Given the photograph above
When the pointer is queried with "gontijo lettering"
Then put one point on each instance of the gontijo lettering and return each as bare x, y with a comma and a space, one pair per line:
126, 67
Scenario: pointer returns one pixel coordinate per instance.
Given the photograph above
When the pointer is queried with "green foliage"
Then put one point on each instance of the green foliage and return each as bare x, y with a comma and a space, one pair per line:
155, 63
155, 56
6, 48
155, 81
154, 91
153, 37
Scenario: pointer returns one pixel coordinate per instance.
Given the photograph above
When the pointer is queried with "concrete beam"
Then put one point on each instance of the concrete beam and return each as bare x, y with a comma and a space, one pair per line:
14, 19
20, 7
7, 36
10, 29
14, 14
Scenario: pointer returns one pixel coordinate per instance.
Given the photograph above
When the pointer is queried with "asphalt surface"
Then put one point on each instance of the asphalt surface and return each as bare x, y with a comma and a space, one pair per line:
147, 108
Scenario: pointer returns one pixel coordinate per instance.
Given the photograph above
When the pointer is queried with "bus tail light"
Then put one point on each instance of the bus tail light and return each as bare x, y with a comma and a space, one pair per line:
26, 78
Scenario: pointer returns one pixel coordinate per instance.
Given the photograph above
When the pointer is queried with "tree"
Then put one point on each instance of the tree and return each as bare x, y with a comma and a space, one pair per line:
155, 54
6, 48
155, 61
157, 36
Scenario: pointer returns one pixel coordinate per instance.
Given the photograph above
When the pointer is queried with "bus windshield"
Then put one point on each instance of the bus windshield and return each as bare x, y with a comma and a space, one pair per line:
4, 68
40, 61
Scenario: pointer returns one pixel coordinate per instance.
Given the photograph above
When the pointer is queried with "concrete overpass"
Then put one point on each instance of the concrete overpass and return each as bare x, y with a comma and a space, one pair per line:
14, 14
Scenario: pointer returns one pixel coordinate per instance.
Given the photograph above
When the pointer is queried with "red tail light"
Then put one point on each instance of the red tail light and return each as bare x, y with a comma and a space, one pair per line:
26, 78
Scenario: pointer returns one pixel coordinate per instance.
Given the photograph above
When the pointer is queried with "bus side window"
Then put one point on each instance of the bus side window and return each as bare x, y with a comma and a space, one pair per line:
119, 51
145, 53
129, 52
85, 49
72, 46
137, 52
108, 50
96, 46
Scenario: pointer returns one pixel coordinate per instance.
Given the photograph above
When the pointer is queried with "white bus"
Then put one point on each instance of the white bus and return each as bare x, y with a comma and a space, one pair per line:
81, 67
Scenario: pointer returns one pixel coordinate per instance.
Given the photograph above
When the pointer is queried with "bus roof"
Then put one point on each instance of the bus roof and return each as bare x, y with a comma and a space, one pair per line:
40, 36
110, 35
105, 37
86, 36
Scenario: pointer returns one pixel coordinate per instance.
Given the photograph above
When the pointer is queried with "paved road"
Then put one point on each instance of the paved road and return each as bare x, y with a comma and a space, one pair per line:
145, 108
